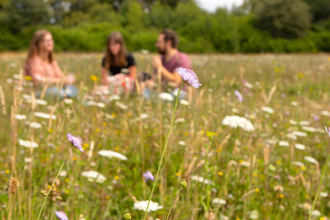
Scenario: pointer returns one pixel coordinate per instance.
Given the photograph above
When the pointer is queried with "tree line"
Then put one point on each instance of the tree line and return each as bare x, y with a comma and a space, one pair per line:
256, 26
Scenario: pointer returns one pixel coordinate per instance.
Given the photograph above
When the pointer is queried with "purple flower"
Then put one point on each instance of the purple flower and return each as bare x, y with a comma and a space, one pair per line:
326, 129
189, 77
76, 141
61, 215
148, 176
239, 96
316, 118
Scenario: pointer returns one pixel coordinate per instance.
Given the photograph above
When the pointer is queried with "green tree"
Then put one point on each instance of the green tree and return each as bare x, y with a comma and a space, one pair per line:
320, 9
283, 18
133, 14
22, 13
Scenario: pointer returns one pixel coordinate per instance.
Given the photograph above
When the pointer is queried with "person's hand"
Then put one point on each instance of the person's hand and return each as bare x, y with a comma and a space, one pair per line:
150, 84
157, 62
69, 79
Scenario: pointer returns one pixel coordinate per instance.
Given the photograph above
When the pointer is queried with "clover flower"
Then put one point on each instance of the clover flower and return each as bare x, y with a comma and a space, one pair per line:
76, 141
61, 215
148, 176
189, 77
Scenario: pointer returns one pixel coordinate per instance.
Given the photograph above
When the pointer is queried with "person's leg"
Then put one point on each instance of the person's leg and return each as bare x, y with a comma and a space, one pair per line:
53, 92
70, 91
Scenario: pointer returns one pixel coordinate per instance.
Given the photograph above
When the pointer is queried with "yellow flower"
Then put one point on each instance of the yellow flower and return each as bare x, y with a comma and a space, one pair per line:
257, 189
210, 134
116, 177
300, 75
7, 171
50, 130
238, 219
117, 149
67, 180
97, 130
278, 162
220, 173
94, 78
108, 197
281, 196
104, 123
86, 145
67, 191
311, 89
74, 158
177, 174
306, 196
303, 168
322, 218
255, 174
186, 133
114, 114
28, 78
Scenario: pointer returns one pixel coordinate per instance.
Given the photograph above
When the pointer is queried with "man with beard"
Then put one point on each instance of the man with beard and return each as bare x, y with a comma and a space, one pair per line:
170, 59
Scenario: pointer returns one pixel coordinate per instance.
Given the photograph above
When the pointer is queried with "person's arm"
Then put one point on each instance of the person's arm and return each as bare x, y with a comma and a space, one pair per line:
172, 77
104, 76
132, 71
57, 70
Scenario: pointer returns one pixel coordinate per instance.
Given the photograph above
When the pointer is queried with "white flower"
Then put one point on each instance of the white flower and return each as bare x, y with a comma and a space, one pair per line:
20, 117
291, 136
114, 97
300, 146
9, 80
44, 115
267, 109
310, 129
324, 194
166, 96
109, 153
94, 176
299, 133
311, 160
37, 101
293, 122
325, 113
200, 179
121, 105
316, 213
27, 143
304, 123
236, 121
144, 116
179, 120
298, 163
234, 110
182, 143
142, 205
100, 105
109, 116
248, 85
68, 101
254, 214
320, 130
35, 125
245, 163
184, 102
278, 188
27, 159
270, 141
219, 201
283, 143
294, 103
144, 52
93, 103
63, 173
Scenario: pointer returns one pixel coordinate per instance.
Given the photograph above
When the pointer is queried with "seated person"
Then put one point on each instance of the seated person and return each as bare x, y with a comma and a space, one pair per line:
118, 65
42, 67
170, 59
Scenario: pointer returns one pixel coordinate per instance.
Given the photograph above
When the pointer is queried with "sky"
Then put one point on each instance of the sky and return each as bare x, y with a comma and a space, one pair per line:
211, 5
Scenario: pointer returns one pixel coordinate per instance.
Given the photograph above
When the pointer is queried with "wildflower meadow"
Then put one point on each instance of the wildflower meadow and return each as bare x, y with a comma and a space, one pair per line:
248, 143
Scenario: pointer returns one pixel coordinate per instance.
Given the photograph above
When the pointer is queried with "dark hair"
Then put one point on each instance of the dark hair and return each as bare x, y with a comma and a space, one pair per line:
109, 57
34, 49
172, 36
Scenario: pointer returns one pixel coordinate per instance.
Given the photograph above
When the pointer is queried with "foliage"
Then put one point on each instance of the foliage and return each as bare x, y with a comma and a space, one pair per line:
282, 18
82, 25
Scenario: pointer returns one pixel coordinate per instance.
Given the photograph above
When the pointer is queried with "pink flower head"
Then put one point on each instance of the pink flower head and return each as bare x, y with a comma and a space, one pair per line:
328, 131
76, 141
148, 176
239, 96
61, 215
189, 77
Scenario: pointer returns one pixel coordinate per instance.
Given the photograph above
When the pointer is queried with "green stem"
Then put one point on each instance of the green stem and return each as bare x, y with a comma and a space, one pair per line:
161, 159
43, 204
318, 190
177, 195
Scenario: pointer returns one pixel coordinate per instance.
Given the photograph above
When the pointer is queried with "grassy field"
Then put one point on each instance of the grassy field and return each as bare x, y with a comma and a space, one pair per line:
271, 172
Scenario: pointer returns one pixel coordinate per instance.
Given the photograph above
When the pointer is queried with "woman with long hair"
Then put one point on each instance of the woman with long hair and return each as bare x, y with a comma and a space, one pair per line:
43, 68
117, 59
